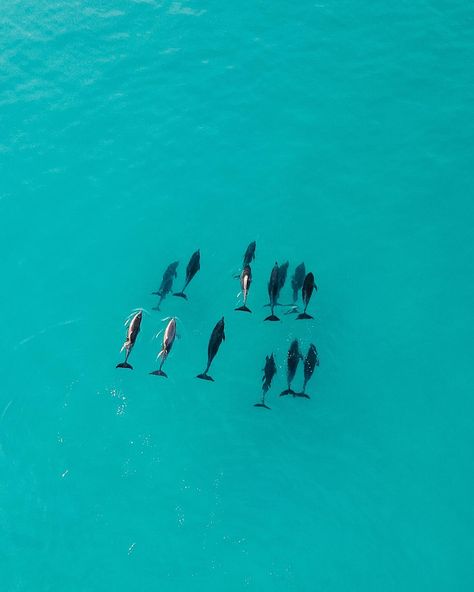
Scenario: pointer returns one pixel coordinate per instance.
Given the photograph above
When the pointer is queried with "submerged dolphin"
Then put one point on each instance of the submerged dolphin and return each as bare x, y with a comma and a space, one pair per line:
296, 285
249, 254
309, 364
282, 273
166, 283
269, 372
293, 359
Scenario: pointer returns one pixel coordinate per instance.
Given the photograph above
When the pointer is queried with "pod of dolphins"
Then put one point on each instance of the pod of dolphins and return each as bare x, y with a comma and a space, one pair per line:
301, 282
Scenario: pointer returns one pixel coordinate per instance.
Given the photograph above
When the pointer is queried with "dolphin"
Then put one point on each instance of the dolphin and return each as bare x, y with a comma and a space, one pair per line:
245, 281
249, 254
293, 359
166, 283
132, 334
273, 292
168, 339
306, 292
296, 285
192, 268
217, 337
269, 372
310, 362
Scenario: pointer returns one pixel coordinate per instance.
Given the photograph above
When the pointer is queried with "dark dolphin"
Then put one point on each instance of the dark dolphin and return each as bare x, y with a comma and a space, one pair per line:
192, 268
309, 364
296, 285
217, 337
249, 254
132, 334
273, 292
306, 292
268, 373
293, 359
166, 283
297, 280
282, 273
245, 281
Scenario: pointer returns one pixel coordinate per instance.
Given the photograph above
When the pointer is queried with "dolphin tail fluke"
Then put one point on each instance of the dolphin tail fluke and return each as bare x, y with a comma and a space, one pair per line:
157, 307
261, 405
180, 295
287, 391
159, 373
244, 308
302, 395
272, 317
205, 376
304, 315
124, 365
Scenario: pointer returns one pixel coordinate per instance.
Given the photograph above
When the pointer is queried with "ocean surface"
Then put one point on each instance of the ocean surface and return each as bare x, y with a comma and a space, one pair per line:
335, 133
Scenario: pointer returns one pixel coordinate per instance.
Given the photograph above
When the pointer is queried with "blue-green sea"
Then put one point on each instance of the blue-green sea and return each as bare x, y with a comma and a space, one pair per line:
134, 132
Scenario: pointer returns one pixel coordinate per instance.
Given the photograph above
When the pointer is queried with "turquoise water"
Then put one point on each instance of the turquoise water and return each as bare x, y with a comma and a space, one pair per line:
339, 134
